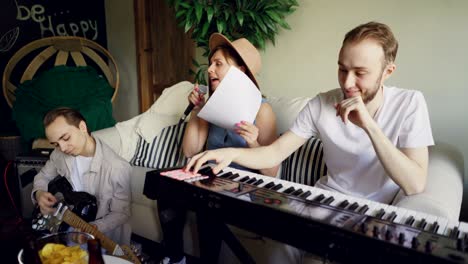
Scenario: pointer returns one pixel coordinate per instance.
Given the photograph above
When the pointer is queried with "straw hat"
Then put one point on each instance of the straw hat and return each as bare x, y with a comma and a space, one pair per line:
246, 51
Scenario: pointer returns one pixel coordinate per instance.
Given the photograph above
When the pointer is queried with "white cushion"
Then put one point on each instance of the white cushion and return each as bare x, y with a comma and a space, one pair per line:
173, 100
286, 110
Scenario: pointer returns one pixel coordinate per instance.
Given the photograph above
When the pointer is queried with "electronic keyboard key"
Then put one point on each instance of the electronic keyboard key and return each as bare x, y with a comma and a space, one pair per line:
409, 221
379, 209
419, 219
463, 227
305, 195
353, 206
391, 216
252, 180
244, 179
206, 171
234, 176
258, 182
451, 225
363, 209
289, 190
343, 204
297, 192
225, 175
400, 213
328, 200
269, 185
443, 222
277, 187
431, 220
380, 213
319, 198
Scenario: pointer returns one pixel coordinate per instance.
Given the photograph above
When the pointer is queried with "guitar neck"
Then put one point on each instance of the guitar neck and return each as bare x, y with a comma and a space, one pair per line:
73, 220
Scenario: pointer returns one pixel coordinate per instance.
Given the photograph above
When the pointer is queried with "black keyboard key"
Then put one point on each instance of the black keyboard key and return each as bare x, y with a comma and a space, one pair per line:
269, 185
206, 171
392, 216
319, 198
455, 233
234, 176
363, 209
305, 195
422, 224
258, 182
343, 204
434, 227
329, 200
380, 213
297, 192
244, 179
277, 187
289, 190
226, 175
409, 221
353, 206
251, 180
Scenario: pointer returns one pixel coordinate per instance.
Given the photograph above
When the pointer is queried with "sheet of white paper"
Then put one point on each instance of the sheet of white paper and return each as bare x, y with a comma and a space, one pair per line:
236, 99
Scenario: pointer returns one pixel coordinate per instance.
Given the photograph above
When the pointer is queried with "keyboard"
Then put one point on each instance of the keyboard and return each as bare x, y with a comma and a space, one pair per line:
342, 227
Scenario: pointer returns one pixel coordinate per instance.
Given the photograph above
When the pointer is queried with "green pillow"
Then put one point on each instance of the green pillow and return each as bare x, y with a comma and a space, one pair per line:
81, 88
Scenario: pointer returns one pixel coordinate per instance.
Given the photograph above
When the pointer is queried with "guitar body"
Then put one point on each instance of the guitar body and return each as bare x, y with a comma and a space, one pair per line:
82, 204
76, 209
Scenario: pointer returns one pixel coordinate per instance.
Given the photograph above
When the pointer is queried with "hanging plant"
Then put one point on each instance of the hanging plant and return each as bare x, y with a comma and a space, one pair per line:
258, 21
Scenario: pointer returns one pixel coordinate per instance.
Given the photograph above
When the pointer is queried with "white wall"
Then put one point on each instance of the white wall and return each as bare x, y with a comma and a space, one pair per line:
121, 44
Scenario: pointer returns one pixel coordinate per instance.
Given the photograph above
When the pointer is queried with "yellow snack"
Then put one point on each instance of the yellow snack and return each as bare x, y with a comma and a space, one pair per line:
53, 253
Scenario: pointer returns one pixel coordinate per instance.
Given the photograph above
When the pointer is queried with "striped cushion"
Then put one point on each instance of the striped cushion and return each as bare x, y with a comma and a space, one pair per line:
305, 165
163, 151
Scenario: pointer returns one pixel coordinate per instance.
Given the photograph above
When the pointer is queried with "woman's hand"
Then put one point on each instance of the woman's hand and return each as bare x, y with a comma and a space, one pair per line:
196, 98
222, 157
249, 132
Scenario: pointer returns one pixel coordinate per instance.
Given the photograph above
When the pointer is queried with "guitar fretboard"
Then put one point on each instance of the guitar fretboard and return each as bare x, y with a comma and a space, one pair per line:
73, 220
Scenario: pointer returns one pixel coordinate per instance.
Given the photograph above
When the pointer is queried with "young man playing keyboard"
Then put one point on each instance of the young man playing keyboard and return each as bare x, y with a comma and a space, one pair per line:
375, 137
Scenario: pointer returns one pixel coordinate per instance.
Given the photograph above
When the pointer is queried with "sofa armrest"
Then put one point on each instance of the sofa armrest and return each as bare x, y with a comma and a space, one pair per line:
444, 189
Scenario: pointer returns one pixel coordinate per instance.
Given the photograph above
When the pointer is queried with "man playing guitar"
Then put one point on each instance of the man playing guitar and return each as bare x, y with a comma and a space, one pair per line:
90, 166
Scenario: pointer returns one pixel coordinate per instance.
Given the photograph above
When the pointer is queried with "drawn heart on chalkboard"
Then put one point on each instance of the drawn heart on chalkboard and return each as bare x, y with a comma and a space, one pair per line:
9, 29
8, 40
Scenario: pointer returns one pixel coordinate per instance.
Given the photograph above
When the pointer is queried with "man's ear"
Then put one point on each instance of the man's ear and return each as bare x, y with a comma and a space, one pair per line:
83, 127
389, 69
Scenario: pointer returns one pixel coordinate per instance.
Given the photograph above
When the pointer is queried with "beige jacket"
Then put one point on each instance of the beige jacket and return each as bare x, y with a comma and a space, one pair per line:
108, 179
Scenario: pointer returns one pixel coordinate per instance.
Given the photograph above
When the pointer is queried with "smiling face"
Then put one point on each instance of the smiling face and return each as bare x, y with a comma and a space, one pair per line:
362, 69
220, 63
68, 138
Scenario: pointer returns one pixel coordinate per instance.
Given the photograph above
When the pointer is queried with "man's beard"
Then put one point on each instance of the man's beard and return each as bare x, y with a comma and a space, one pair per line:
370, 95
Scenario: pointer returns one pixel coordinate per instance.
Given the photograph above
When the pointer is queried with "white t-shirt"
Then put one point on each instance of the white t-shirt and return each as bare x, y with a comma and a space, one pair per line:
353, 165
80, 167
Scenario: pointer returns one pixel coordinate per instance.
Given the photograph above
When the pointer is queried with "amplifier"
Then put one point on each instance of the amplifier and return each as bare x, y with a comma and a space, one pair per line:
27, 166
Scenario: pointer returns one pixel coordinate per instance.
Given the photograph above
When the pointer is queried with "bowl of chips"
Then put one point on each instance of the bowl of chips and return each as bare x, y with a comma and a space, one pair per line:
62, 248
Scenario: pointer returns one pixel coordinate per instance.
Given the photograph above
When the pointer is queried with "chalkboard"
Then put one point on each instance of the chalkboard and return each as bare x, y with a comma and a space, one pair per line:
22, 21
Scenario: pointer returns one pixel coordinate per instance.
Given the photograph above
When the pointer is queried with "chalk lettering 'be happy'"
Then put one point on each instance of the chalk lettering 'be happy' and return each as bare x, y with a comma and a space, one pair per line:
85, 27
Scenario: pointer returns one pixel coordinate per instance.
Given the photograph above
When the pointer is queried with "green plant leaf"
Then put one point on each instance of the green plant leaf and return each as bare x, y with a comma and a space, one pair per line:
209, 13
205, 28
240, 18
198, 11
221, 25
180, 13
274, 16
186, 5
195, 62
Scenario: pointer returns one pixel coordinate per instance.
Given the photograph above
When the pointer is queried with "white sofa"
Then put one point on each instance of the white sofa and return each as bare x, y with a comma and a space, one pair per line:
442, 197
